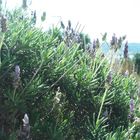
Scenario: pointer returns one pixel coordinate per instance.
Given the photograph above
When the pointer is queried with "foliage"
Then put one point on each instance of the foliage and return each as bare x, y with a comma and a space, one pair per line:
137, 62
66, 92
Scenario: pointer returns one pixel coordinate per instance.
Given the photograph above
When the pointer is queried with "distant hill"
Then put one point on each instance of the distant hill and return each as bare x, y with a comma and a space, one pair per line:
133, 48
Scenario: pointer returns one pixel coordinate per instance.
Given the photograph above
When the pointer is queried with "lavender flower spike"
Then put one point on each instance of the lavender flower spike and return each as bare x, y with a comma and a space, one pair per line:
114, 40
17, 71
25, 130
131, 105
126, 50
25, 120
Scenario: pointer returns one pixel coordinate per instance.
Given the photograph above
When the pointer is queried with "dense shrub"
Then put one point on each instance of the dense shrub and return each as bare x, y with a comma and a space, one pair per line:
67, 93
137, 62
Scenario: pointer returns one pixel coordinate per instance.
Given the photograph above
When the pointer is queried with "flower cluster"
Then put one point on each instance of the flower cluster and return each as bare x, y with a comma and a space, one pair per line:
131, 105
70, 34
116, 43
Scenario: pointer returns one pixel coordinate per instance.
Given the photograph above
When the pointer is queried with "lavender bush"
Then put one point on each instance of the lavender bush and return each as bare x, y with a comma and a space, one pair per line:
64, 91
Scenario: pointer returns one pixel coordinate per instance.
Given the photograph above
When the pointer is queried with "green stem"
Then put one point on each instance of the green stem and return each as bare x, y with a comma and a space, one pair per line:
33, 77
14, 94
1, 43
101, 107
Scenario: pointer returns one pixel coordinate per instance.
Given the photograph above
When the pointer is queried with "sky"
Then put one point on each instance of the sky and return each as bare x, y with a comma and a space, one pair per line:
96, 16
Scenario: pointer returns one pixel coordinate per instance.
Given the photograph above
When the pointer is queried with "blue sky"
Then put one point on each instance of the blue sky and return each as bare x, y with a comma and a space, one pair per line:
112, 16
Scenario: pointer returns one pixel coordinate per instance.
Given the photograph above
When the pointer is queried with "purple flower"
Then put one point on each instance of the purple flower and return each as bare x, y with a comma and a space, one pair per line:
126, 50
17, 71
114, 40
94, 45
131, 105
